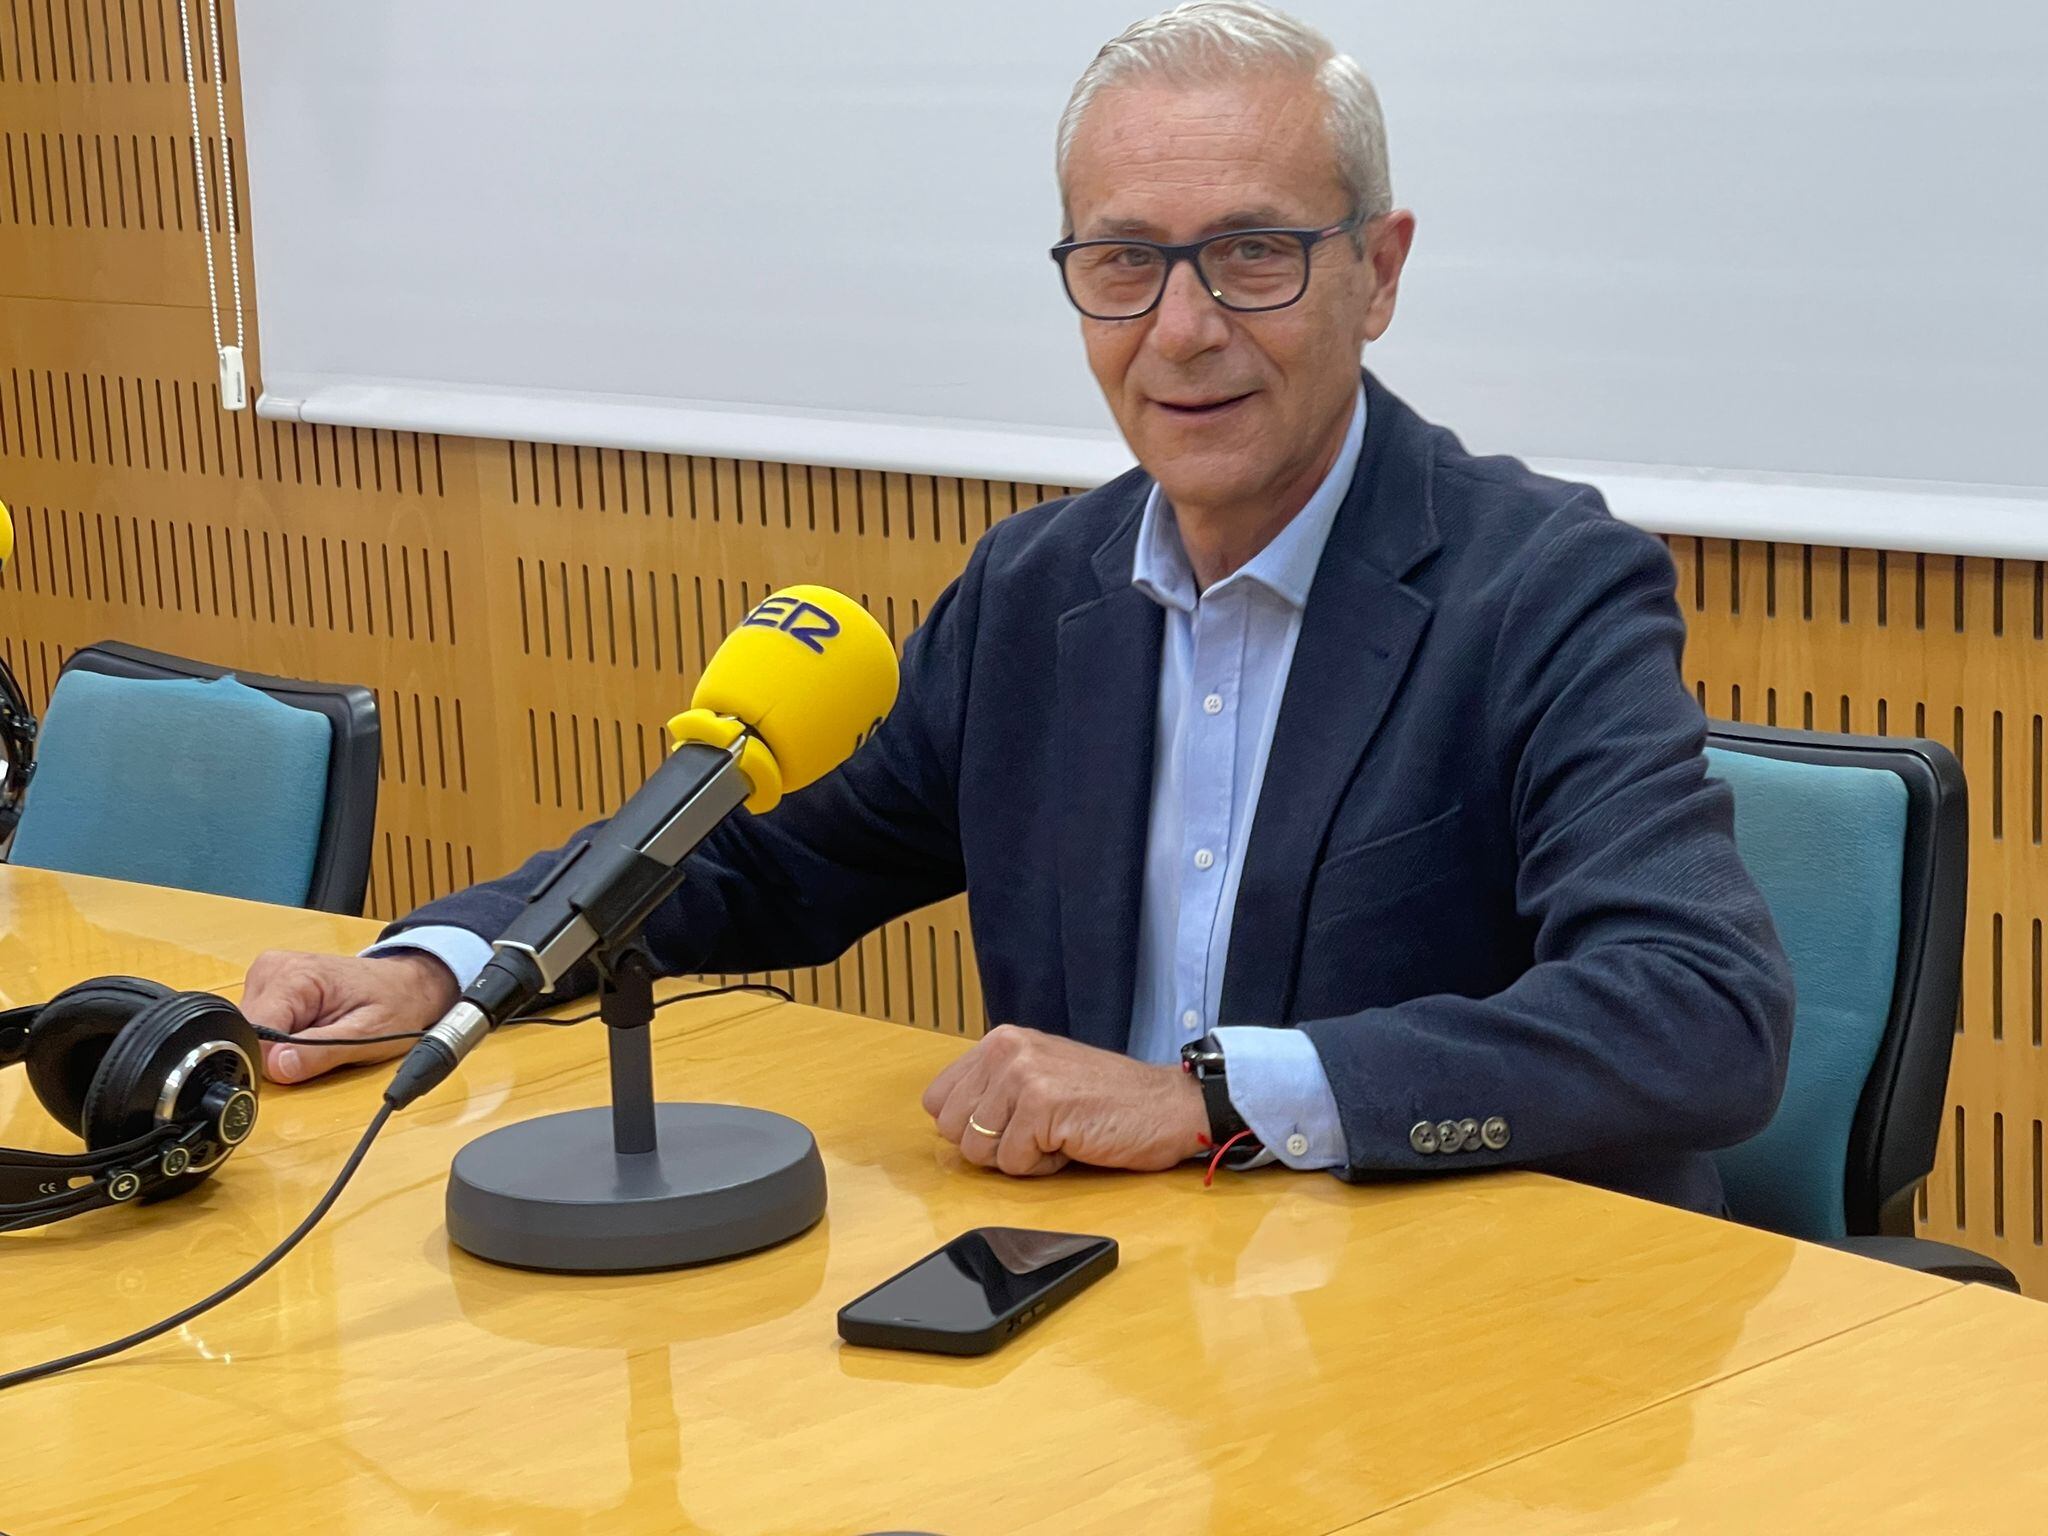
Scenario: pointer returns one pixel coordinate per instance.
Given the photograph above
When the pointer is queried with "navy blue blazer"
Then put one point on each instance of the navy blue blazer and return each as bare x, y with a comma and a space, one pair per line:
1488, 875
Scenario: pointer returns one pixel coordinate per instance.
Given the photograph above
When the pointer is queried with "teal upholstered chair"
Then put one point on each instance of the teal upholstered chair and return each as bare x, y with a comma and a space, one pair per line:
154, 768
1860, 845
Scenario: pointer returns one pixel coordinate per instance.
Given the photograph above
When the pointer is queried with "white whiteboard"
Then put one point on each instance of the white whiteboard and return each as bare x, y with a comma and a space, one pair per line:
1797, 249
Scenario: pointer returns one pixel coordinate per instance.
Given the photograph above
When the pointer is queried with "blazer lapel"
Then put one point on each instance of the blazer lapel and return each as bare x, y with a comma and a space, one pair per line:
1108, 688
1359, 633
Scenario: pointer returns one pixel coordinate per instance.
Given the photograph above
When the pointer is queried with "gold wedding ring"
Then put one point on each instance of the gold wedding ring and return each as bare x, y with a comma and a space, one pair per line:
975, 1125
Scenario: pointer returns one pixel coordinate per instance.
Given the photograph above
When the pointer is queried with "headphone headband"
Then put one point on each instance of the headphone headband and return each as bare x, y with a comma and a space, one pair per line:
161, 1084
32, 1178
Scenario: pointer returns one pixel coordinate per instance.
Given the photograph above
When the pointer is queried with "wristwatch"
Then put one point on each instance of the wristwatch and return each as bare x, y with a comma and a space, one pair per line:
1203, 1059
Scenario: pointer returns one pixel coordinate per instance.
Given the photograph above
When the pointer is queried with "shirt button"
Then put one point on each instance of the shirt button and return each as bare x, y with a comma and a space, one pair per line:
1213, 705
1204, 858
1191, 1020
1297, 1145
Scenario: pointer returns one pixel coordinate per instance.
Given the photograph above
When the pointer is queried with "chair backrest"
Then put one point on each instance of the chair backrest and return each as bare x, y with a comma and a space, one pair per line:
1860, 846
274, 797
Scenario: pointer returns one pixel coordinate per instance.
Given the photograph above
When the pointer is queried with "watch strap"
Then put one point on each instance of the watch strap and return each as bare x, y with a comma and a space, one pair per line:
1204, 1059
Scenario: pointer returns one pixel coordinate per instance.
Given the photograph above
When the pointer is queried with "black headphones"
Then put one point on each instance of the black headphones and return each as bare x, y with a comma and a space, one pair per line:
161, 1085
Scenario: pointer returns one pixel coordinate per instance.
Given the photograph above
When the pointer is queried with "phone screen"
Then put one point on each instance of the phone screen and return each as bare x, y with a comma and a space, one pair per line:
979, 1277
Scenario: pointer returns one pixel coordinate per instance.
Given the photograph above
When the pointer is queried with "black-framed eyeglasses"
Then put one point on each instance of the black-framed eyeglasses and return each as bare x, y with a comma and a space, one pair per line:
1248, 270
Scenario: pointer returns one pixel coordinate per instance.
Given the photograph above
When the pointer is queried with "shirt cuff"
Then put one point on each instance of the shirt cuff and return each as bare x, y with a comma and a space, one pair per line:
1277, 1083
464, 953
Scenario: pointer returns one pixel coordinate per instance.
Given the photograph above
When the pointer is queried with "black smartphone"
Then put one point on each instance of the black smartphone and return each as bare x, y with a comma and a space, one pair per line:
979, 1290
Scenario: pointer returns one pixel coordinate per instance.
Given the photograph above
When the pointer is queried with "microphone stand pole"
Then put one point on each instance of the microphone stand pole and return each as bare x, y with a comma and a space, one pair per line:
625, 1002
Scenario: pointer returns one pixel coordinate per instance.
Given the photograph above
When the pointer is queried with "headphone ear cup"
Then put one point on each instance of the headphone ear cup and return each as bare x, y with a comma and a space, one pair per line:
181, 1036
72, 1035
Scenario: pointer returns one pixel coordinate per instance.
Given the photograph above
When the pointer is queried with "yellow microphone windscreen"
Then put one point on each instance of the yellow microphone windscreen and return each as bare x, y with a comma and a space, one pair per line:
810, 672
6, 534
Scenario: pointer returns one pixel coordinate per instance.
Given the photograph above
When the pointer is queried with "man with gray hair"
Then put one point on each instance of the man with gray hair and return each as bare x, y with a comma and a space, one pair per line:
1322, 792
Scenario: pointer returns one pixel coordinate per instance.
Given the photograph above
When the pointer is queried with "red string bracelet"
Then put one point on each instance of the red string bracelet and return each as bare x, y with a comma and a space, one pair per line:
1221, 1153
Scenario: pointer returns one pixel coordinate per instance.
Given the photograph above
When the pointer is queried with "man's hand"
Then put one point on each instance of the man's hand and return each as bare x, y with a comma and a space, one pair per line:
332, 997
1029, 1103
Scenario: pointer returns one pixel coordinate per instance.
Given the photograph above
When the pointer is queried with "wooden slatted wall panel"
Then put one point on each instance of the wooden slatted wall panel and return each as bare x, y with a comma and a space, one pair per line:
528, 613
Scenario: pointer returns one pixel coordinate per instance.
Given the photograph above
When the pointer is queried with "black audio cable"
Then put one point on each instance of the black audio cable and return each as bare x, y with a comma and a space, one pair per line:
297, 1235
279, 1037
234, 1287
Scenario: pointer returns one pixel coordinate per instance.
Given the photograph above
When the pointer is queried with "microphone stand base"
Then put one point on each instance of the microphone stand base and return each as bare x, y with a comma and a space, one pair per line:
553, 1193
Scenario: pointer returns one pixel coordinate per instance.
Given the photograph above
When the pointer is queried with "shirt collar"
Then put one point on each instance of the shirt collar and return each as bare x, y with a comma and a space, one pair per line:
1286, 566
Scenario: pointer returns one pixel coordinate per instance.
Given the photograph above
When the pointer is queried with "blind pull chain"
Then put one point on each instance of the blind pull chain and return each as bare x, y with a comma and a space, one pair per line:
234, 382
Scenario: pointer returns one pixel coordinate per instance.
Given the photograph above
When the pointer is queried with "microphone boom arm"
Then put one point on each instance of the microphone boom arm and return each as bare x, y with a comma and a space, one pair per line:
629, 867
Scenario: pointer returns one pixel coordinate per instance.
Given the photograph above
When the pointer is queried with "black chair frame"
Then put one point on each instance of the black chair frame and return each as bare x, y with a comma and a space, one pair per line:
1898, 1119
1897, 1124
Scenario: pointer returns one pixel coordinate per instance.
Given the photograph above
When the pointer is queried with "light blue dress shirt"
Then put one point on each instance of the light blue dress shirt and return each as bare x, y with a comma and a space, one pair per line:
1223, 668
461, 951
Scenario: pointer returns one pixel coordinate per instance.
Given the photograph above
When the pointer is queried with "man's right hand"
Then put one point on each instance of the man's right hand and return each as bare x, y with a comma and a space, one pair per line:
335, 997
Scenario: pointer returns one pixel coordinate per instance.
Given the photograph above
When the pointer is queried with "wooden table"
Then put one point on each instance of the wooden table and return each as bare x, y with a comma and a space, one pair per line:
1280, 1353
1929, 1420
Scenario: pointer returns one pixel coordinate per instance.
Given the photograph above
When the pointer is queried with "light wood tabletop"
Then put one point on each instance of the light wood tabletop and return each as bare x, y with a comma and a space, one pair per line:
1928, 1420
1279, 1353
58, 929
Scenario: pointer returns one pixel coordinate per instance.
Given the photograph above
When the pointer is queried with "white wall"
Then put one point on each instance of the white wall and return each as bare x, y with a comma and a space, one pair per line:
1780, 263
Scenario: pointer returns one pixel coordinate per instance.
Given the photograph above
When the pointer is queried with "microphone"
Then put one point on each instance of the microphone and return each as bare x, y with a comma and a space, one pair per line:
788, 696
